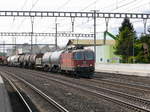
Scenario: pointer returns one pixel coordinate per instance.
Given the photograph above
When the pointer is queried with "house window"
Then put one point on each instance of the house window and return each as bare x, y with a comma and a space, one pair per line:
101, 59
107, 60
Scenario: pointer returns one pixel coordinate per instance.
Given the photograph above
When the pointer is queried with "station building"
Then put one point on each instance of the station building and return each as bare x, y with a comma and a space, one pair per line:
104, 53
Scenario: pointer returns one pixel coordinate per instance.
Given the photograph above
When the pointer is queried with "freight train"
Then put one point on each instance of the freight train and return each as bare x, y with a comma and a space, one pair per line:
79, 62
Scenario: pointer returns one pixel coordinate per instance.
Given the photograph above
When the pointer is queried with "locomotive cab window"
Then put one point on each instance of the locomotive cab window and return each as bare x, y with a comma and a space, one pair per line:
78, 56
89, 55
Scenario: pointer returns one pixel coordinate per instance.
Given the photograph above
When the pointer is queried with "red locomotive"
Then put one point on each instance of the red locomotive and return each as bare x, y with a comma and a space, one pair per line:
79, 62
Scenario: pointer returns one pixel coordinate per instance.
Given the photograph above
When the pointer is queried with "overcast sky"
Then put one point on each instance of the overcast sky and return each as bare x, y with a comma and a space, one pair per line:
21, 24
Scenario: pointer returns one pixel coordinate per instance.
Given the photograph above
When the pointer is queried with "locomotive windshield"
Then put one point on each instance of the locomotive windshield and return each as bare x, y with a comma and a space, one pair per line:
89, 55
84, 56
79, 56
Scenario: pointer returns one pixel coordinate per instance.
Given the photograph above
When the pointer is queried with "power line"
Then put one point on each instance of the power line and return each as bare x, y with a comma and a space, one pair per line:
24, 4
105, 7
124, 5
83, 8
113, 4
33, 5
63, 5
89, 5
137, 7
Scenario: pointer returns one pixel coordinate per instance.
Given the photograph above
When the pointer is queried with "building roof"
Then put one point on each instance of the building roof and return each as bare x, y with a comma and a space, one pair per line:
88, 42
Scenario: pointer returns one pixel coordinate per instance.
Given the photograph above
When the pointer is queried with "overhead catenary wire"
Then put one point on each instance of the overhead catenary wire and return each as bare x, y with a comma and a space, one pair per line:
113, 4
105, 7
89, 5
24, 4
63, 5
88, 21
123, 5
81, 9
13, 22
33, 5
22, 7
137, 7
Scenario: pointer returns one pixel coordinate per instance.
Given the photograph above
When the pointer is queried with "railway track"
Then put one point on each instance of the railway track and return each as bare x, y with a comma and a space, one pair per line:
25, 103
138, 80
47, 98
118, 84
124, 100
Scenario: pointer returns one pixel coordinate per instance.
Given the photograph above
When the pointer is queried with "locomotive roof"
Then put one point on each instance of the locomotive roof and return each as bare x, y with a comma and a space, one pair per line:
79, 50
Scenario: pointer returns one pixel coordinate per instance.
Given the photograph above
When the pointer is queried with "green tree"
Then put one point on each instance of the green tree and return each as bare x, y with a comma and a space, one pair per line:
143, 49
125, 41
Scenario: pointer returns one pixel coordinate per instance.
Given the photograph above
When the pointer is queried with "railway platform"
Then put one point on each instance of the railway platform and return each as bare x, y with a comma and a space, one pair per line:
4, 99
126, 69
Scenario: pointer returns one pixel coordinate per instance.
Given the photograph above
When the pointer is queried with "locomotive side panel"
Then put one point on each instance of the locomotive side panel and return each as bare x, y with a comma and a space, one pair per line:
67, 62
80, 62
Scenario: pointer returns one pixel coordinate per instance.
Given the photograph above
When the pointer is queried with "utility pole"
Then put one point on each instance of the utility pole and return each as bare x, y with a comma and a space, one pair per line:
15, 46
35, 40
32, 22
148, 29
3, 48
107, 21
94, 15
56, 36
72, 21
133, 50
145, 22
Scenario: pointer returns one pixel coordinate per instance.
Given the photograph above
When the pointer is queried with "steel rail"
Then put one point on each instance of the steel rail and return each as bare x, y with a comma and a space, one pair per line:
107, 97
113, 92
18, 92
120, 84
46, 97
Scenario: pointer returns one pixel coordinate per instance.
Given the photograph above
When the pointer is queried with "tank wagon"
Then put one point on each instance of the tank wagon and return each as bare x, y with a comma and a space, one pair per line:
26, 60
21, 60
46, 61
73, 61
8, 60
56, 61
13, 60
38, 61
32, 60
51, 61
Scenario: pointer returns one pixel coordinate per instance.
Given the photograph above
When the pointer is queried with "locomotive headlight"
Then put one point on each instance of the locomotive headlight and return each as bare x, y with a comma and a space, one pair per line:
91, 65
